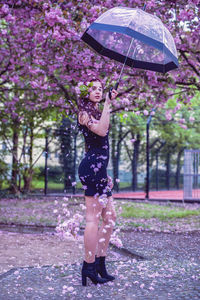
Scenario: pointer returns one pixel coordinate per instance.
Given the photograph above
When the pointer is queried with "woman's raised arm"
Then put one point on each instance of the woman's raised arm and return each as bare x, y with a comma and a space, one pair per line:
100, 127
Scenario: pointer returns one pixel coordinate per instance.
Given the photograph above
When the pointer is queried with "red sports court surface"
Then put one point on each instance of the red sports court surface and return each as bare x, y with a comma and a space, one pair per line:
168, 195
162, 195
156, 195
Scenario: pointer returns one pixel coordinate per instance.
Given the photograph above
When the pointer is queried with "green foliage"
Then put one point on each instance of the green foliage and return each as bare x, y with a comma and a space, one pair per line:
4, 169
195, 101
84, 89
132, 120
148, 211
55, 173
36, 173
171, 103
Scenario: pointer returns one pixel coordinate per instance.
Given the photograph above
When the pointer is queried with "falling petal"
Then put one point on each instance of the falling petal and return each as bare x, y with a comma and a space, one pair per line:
108, 213
101, 240
107, 226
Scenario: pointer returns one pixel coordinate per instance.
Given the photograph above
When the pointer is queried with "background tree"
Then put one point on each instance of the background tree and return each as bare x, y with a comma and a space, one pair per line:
67, 135
41, 54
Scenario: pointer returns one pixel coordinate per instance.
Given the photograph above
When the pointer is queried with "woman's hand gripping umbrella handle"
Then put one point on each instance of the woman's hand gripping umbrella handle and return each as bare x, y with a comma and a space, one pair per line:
115, 88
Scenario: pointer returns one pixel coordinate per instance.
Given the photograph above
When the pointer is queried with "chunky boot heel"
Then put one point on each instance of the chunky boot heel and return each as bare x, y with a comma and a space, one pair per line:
84, 280
89, 270
101, 268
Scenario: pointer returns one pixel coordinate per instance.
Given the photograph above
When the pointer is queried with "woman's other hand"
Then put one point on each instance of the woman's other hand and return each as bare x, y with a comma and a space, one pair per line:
110, 182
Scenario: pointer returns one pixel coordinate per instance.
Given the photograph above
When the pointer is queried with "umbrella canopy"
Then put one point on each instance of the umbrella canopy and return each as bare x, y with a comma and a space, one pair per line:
134, 37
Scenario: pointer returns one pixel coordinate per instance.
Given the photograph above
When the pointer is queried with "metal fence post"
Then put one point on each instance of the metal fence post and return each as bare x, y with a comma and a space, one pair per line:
47, 130
147, 158
147, 153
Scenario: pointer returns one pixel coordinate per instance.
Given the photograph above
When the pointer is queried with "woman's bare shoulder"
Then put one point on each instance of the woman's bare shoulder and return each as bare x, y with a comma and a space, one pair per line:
83, 117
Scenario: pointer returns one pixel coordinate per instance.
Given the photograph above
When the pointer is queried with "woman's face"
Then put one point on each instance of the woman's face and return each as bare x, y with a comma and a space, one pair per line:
96, 93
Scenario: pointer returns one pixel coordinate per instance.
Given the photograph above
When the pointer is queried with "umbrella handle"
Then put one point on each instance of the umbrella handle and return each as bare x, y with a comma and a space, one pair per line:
115, 87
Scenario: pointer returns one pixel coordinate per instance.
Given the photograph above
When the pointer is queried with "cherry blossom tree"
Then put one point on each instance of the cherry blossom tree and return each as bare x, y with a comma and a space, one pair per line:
42, 59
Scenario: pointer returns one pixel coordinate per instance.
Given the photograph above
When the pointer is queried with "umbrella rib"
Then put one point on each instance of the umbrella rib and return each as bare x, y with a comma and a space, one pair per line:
122, 69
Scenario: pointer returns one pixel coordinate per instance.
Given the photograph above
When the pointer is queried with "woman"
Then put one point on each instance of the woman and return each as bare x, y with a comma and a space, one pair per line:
93, 175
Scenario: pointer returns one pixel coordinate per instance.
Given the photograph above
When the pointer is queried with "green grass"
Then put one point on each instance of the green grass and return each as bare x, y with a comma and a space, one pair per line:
123, 185
133, 224
39, 184
5, 185
28, 220
148, 211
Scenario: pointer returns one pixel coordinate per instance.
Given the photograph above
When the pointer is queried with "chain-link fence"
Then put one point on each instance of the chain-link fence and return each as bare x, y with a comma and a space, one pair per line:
191, 175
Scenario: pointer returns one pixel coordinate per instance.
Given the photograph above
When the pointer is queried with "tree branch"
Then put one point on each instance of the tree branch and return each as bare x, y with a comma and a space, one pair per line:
123, 137
191, 65
128, 151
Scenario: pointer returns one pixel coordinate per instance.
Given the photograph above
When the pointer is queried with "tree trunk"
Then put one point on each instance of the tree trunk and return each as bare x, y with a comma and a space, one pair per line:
167, 164
117, 158
135, 162
28, 174
66, 158
178, 168
157, 171
117, 138
15, 171
113, 155
157, 163
75, 158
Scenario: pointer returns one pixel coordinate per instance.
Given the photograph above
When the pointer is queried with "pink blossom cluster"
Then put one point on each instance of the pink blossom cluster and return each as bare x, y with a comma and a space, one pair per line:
66, 226
168, 115
54, 16
41, 52
70, 227
115, 240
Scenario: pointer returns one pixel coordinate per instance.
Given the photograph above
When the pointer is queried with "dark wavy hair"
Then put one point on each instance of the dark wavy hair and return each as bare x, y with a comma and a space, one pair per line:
84, 104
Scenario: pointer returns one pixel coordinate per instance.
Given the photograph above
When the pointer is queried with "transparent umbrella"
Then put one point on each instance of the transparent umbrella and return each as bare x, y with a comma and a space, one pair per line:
134, 38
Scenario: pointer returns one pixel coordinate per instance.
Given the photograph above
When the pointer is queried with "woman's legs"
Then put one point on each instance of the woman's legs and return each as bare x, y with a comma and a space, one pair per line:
106, 229
93, 212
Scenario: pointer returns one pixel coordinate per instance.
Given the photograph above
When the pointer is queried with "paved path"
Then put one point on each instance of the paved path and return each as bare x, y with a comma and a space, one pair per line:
170, 270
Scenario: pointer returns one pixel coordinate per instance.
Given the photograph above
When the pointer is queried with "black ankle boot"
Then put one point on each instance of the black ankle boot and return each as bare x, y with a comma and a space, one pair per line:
101, 268
89, 270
